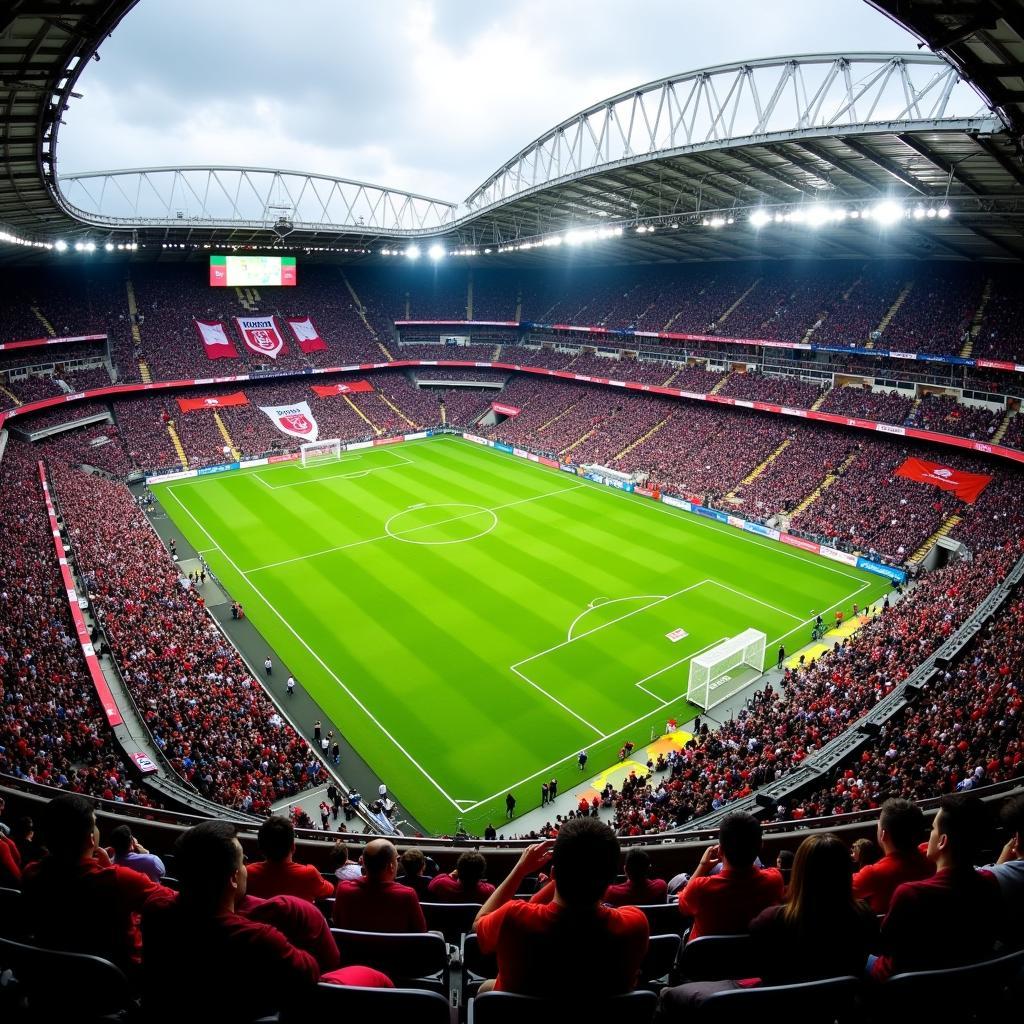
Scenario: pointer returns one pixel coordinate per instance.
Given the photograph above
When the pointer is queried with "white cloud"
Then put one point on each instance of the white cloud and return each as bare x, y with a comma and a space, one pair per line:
425, 95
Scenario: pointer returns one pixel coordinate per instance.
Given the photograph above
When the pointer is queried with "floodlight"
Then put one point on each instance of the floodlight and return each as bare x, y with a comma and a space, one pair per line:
413, 252
759, 218
109, 247
79, 247
887, 212
60, 245
918, 212
943, 212
435, 252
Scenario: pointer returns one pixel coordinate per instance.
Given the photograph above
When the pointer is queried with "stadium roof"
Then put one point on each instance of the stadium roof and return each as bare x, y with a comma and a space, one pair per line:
672, 170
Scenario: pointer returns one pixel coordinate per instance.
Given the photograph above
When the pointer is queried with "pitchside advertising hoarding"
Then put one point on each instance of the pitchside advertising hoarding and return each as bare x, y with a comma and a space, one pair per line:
251, 271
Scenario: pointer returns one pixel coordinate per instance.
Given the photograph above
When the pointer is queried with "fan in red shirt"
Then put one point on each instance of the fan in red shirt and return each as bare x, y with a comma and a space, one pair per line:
237, 956
639, 888
726, 903
279, 875
900, 827
376, 902
463, 885
575, 930
76, 898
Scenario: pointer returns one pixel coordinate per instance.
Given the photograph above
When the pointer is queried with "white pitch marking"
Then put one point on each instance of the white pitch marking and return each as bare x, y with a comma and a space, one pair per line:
600, 602
757, 600
291, 629
564, 707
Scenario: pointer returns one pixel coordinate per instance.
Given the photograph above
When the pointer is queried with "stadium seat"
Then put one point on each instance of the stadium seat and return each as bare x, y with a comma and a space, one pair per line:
57, 985
452, 920
829, 1001
13, 924
715, 957
976, 992
662, 954
477, 967
665, 918
508, 1008
409, 959
345, 1003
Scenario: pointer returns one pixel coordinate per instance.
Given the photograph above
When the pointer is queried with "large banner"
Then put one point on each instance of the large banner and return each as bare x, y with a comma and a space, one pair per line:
295, 420
306, 334
966, 486
352, 387
505, 410
261, 335
215, 339
218, 402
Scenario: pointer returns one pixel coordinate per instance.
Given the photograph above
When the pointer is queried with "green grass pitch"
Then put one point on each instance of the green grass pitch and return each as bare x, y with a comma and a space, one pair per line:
471, 620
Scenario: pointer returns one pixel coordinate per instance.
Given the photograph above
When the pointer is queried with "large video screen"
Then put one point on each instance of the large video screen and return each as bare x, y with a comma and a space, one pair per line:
251, 271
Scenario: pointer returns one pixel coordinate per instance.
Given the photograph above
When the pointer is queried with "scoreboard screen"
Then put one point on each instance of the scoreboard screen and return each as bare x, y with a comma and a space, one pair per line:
251, 271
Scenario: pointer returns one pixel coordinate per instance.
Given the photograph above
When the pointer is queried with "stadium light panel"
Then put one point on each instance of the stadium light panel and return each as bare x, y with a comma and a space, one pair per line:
413, 252
79, 247
109, 246
943, 212
759, 218
887, 212
436, 252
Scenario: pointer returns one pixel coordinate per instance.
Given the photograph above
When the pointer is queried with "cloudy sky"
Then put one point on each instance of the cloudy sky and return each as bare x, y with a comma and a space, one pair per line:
430, 96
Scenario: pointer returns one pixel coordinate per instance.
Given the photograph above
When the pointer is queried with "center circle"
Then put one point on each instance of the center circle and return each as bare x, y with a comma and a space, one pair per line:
444, 523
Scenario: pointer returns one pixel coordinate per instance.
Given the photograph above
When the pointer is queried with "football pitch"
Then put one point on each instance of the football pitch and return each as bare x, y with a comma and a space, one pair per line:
470, 621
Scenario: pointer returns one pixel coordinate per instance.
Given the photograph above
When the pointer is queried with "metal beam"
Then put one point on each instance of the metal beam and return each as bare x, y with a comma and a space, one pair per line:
888, 166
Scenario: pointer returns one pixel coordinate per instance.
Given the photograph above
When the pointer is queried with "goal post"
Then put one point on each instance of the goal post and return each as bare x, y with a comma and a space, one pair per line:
725, 669
314, 452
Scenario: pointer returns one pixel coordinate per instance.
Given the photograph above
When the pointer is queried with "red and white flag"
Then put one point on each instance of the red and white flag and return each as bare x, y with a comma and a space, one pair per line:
966, 486
296, 420
213, 402
261, 335
306, 334
215, 339
352, 387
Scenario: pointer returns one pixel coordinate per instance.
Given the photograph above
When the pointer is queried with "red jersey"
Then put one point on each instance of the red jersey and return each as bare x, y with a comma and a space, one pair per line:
726, 903
630, 894
876, 883
445, 889
364, 905
285, 878
529, 938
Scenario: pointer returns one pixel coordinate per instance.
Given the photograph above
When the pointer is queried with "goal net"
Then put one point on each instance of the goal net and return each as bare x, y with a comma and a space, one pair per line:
320, 451
725, 669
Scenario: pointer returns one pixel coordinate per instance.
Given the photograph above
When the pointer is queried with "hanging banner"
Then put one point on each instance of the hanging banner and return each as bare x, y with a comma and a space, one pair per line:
306, 334
296, 420
966, 486
505, 410
218, 402
215, 339
261, 335
352, 387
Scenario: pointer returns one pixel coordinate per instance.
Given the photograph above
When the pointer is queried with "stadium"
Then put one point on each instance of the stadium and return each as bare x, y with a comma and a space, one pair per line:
672, 480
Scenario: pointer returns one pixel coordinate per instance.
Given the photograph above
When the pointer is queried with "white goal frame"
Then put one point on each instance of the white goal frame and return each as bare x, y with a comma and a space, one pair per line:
710, 682
320, 450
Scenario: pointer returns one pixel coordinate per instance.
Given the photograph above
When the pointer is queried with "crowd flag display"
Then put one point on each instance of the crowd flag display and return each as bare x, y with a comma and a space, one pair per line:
215, 339
505, 410
296, 420
261, 335
966, 486
351, 387
307, 336
213, 402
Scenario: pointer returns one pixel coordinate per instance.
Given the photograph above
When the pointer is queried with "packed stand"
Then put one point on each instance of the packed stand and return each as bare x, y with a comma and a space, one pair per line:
210, 718
101, 447
871, 509
759, 387
621, 422
52, 728
853, 317
945, 415
936, 314
65, 412
464, 406
962, 730
812, 455
863, 403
